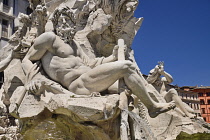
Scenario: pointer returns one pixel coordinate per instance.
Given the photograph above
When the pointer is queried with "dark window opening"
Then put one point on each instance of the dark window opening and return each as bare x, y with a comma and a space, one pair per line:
203, 111
204, 119
200, 94
5, 22
6, 2
208, 94
202, 102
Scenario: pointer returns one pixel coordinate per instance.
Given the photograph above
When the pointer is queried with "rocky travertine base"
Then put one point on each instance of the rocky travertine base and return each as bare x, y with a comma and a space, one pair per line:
197, 136
9, 129
61, 127
61, 117
168, 126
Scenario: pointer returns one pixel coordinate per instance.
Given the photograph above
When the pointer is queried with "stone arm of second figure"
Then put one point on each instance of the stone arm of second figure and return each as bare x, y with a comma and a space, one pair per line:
14, 54
156, 73
153, 75
167, 77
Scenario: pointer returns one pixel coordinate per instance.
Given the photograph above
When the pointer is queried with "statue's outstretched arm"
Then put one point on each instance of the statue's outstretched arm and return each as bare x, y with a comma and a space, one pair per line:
167, 77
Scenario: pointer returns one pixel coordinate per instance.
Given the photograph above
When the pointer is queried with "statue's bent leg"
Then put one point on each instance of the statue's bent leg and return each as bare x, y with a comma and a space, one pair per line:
173, 95
103, 76
138, 85
100, 77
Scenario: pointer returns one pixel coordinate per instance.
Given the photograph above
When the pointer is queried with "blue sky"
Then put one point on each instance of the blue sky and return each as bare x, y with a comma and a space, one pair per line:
178, 33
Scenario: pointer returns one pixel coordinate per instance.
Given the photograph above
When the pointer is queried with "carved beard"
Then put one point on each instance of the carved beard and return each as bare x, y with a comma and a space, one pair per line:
66, 33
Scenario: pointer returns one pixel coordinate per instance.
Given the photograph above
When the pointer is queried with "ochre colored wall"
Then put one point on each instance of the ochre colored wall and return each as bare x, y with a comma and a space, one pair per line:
206, 105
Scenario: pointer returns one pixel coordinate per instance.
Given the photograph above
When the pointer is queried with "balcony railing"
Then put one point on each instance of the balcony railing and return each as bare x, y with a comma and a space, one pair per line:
6, 8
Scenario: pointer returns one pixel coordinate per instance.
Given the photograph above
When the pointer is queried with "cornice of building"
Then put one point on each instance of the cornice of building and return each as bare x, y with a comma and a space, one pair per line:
203, 87
4, 38
187, 92
7, 15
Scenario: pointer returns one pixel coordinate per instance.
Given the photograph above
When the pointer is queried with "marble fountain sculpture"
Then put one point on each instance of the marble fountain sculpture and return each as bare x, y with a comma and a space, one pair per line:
70, 74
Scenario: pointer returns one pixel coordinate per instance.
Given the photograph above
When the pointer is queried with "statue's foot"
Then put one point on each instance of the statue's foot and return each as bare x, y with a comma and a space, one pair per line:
190, 110
95, 94
191, 116
161, 108
178, 110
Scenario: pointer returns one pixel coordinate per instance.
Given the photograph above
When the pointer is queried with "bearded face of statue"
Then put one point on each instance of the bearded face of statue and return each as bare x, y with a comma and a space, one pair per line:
65, 28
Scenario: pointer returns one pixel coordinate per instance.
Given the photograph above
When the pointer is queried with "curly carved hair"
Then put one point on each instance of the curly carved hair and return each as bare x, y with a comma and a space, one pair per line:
62, 10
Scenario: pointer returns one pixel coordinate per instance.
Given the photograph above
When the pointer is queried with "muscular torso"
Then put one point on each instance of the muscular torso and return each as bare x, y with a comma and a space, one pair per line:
63, 62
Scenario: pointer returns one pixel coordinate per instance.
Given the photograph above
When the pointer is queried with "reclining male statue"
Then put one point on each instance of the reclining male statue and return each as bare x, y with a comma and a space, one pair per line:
155, 78
64, 61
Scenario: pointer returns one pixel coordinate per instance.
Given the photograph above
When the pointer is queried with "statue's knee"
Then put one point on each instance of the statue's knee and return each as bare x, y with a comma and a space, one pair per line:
173, 91
128, 65
74, 86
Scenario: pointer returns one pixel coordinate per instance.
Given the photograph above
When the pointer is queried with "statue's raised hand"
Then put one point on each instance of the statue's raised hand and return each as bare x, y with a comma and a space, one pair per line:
161, 69
35, 87
115, 52
33, 84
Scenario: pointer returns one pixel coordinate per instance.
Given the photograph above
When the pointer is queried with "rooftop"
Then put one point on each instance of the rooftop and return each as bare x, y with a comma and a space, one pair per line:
203, 87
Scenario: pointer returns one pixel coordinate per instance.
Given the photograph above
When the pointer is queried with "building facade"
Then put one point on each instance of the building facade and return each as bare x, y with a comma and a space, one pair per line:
6, 20
204, 96
9, 11
190, 97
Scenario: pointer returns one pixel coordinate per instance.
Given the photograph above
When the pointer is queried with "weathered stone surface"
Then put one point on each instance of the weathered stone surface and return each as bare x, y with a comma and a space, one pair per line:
61, 85
86, 109
9, 129
60, 128
14, 78
168, 126
30, 106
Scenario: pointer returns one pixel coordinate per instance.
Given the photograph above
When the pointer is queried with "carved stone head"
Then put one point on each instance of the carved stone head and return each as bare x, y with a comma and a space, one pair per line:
64, 23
